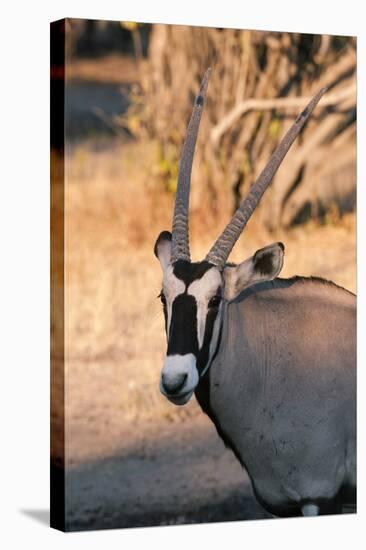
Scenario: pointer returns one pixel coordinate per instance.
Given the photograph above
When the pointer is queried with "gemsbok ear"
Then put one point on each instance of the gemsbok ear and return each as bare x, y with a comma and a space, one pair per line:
163, 249
265, 265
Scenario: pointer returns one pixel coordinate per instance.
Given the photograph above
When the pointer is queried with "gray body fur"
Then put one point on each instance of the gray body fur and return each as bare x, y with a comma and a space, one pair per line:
282, 390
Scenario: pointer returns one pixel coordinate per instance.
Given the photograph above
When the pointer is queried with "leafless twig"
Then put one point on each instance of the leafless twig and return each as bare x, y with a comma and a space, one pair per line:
277, 103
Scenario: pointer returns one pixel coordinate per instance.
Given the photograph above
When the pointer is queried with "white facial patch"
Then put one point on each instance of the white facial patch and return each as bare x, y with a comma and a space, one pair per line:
203, 289
172, 286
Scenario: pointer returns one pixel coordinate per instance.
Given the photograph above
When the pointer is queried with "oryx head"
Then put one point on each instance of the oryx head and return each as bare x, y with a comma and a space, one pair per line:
194, 293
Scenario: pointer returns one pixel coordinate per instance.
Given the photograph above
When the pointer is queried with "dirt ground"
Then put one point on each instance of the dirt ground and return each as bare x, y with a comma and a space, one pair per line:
180, 475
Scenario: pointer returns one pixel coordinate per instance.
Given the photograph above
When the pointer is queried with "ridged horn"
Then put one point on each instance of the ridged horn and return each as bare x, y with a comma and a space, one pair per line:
220, 251
180, 233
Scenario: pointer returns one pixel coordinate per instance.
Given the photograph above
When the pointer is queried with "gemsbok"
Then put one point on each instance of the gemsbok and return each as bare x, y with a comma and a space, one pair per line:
271, 361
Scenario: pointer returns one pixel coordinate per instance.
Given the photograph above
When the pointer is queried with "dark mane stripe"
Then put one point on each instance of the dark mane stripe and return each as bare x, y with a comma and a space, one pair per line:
313, 279
280, 283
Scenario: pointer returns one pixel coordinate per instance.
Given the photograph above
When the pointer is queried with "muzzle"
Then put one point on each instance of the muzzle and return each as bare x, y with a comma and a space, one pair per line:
179, 378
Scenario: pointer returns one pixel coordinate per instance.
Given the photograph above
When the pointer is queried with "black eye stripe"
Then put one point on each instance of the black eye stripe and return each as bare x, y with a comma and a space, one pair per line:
161, 295
214, 301
205, 350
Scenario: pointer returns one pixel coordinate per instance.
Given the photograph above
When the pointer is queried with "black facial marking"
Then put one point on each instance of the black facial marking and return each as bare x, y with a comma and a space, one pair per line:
264, 263
214, 301
189, 272
163, 301
183, 337
205, 350
183, 326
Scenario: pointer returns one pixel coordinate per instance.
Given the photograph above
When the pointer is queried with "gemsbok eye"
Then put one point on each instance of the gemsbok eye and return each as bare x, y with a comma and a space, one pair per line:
214, 302
162, 298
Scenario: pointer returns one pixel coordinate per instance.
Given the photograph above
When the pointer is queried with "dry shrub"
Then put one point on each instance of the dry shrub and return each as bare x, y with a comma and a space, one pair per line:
239, 131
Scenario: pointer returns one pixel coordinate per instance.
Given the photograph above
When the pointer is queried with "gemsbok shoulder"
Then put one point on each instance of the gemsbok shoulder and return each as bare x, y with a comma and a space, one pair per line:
271, 361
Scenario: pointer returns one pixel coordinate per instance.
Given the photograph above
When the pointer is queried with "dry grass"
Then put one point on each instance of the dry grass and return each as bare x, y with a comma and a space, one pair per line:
114, 327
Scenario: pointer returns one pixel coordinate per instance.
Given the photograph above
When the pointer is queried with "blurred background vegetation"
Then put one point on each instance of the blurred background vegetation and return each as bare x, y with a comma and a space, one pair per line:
244, 118
128, 98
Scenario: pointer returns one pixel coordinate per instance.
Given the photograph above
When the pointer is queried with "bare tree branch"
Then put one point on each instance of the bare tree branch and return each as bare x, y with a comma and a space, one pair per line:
249, 69
277, 103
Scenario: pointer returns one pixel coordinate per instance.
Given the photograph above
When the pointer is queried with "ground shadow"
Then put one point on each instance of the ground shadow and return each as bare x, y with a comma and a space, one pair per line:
187, 477
38, 514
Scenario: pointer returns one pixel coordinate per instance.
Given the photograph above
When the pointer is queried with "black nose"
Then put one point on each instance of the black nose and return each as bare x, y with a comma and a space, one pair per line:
174, 385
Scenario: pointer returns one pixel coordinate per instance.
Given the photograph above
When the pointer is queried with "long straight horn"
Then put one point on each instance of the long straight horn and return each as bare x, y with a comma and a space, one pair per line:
220, 251
180, 233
